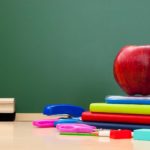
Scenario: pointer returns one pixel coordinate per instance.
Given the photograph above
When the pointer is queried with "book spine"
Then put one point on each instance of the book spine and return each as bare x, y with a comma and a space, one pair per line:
119, 118
120, 108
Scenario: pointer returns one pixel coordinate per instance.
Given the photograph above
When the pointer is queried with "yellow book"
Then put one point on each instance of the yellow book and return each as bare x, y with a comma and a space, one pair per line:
120, 108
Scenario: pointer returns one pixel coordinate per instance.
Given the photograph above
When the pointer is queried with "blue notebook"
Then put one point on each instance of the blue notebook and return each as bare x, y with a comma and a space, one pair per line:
107, 125
128, 100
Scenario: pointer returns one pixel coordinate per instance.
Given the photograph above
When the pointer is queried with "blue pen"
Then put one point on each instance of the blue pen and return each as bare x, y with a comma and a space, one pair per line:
70, 120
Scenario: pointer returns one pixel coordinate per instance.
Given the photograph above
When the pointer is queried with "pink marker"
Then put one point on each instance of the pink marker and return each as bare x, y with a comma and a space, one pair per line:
44, 123
75, 128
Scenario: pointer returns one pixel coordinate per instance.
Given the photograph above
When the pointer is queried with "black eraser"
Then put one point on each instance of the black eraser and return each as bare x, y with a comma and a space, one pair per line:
7, 109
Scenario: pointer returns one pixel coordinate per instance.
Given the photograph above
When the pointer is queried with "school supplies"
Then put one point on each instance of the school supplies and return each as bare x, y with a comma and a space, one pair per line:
61, 110
120, 118
128, 100
114, 134
141, 134
120, 108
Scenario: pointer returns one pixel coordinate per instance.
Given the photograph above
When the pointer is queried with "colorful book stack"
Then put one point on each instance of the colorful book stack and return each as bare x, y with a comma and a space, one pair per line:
119, 112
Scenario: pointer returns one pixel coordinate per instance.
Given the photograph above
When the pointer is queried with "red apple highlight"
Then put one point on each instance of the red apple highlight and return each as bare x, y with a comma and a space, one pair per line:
132, 69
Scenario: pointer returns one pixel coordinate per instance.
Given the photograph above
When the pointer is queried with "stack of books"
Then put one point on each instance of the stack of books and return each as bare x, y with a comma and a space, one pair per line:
7, 109
119, 112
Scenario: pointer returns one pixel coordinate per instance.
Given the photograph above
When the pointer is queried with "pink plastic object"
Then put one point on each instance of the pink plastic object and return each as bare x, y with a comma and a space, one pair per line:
44, 123
75, 128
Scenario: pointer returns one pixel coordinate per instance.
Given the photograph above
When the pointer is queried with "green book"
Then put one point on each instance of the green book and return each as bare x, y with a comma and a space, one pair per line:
120, 108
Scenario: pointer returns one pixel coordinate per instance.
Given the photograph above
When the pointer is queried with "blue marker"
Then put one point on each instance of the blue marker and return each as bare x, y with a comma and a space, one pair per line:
70, 120
141, 134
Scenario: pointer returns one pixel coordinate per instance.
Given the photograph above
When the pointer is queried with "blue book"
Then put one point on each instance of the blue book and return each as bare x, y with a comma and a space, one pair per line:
109, 125
145, 100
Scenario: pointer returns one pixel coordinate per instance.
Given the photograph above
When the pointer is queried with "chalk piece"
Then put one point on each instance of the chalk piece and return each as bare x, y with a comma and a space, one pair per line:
141, 134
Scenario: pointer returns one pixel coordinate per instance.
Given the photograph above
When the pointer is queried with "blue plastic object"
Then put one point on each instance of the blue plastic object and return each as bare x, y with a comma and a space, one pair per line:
109, 125
74, 111
127, 100
71, 120
141, 134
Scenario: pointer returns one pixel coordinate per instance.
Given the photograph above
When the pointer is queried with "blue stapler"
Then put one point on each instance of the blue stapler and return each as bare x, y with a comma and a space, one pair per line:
73, 112
58, 109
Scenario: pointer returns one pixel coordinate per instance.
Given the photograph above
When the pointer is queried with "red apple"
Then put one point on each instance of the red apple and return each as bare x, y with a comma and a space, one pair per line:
132, 69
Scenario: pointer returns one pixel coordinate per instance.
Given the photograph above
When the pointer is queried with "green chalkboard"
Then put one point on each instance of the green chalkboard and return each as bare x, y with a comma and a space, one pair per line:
62, 51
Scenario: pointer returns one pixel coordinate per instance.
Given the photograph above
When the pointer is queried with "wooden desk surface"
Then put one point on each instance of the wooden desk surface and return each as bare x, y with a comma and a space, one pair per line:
23, 136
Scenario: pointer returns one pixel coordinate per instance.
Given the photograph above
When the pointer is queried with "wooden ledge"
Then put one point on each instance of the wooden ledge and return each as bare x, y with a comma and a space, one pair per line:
30, 116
